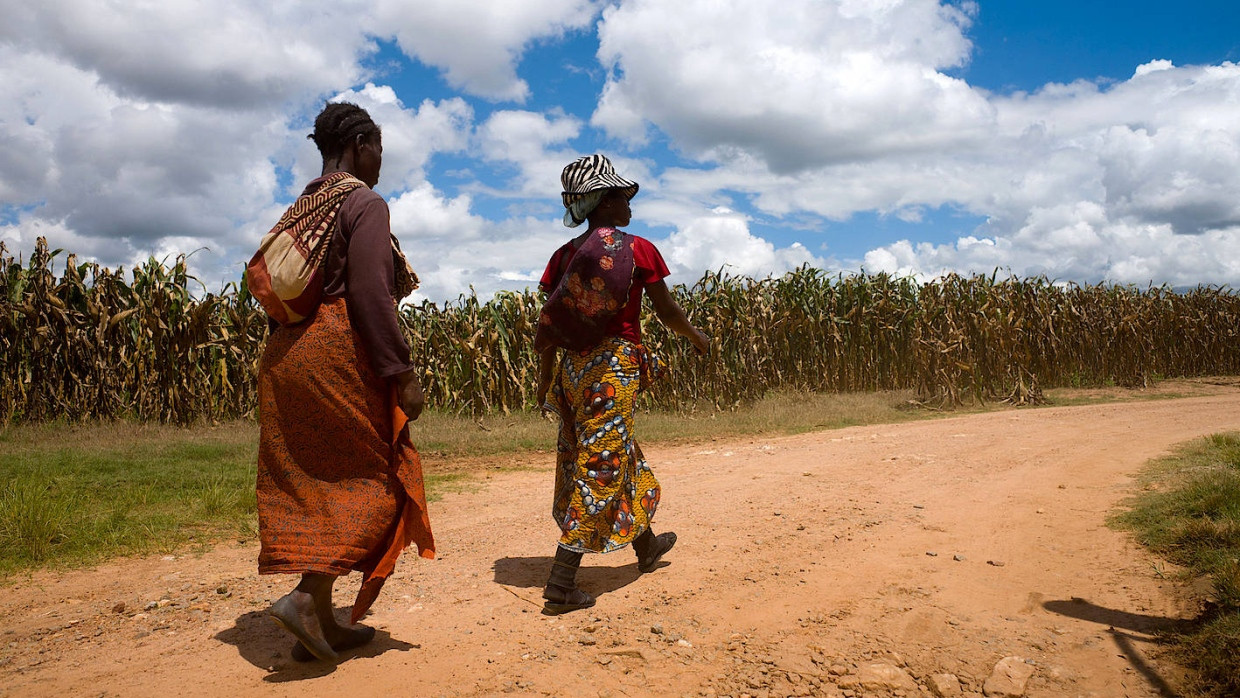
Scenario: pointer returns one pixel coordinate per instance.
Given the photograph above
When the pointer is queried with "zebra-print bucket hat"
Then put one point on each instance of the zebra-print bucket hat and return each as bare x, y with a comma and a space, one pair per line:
592, 173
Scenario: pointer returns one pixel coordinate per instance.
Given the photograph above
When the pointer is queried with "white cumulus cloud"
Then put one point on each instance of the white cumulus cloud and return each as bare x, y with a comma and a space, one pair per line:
799, 84
136, 128
477, 43
723, 242
224, 53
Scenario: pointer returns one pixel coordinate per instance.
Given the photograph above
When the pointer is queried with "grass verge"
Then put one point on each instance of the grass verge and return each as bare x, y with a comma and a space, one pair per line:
75, 495
1190, 514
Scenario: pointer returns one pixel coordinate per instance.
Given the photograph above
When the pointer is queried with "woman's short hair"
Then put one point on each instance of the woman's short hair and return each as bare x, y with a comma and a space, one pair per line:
338, 124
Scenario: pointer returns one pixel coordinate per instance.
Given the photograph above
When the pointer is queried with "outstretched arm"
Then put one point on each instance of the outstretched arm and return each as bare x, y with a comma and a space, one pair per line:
672, 315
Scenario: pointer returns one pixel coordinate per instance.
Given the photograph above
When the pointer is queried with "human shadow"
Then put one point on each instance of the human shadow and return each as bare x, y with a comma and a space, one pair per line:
1077, 607
267, 646
1124, 642
1157, 627
531, 572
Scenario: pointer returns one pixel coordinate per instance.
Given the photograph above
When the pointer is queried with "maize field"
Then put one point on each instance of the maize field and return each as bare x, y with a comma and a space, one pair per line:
91, 344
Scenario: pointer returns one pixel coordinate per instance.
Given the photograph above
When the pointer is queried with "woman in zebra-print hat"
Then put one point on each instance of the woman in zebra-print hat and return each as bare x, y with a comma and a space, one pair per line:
605, 493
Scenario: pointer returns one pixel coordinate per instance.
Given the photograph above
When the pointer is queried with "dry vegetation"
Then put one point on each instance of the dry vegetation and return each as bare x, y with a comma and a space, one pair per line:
88, 344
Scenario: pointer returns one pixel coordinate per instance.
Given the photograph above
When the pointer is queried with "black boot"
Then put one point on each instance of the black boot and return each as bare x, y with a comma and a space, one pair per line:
562, 594
651, 548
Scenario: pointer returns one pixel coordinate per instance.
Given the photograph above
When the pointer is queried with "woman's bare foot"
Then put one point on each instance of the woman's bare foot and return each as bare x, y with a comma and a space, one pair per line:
338, 636
340, 639
295, 612
347, 638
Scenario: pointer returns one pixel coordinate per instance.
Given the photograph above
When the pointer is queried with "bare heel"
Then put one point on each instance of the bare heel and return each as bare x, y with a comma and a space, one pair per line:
303, 625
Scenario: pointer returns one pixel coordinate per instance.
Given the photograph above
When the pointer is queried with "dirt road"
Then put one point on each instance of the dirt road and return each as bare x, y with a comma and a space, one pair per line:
862, 561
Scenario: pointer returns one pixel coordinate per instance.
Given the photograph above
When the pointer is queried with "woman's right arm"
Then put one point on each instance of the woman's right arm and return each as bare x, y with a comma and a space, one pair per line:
546, 358
672, 315
546, 367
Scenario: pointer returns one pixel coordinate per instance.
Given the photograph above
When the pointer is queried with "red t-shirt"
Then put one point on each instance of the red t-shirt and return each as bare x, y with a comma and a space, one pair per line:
648, 267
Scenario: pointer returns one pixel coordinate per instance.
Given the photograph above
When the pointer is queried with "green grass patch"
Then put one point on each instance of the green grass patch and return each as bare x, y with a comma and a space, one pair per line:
1189, 512
75, 495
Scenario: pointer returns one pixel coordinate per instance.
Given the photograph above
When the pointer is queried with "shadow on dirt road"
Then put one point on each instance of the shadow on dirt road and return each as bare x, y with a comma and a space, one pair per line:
1149, 627
531, 572
261, 643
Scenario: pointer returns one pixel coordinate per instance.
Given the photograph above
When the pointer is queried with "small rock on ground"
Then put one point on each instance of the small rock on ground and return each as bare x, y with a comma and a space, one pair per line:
880, 676
944, 686
1008, 679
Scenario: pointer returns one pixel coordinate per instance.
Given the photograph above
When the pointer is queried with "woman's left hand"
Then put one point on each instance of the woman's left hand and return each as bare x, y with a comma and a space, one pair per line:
541, 395
546, 368
409, 392
700, 342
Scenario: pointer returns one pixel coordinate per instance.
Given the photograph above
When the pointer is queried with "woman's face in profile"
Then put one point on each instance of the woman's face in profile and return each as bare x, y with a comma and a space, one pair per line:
370, 161
616, 207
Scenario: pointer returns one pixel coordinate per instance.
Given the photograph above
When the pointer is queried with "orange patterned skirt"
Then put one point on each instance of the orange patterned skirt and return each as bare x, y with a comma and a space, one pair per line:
605, 493
339, 481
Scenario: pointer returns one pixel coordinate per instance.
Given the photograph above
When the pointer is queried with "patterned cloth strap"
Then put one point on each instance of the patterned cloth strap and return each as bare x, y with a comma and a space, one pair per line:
286, 273
593, 288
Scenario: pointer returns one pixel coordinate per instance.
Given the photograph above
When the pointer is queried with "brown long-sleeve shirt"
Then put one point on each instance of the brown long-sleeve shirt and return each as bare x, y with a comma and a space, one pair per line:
359, 267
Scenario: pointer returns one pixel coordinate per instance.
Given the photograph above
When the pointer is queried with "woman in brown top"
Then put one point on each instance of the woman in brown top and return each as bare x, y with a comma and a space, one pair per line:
339, 482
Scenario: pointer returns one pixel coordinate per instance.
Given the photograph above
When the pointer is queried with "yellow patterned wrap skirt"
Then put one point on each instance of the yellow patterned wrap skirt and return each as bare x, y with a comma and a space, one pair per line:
605, 494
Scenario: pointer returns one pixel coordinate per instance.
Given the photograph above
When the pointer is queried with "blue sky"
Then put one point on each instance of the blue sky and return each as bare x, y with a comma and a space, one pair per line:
1022, 46
1081, 141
